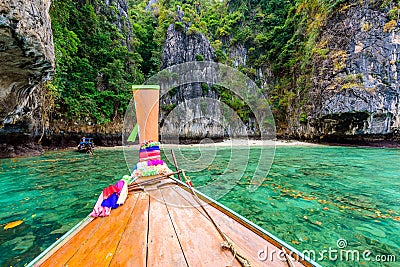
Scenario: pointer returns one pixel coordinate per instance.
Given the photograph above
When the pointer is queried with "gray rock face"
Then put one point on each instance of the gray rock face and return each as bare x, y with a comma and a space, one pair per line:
200, 118
26, 61
356, 87
193, 111
180, 47
181, 112
238, 55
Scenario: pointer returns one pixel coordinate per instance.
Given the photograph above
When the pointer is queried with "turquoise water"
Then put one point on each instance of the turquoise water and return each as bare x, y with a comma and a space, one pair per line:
311, 198
50, 193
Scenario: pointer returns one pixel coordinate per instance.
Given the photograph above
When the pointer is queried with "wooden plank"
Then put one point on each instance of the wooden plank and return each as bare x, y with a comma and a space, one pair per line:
163, 244
60, 255
99, 250
177, 200
131, 250
189, 199
200, 241
248, 241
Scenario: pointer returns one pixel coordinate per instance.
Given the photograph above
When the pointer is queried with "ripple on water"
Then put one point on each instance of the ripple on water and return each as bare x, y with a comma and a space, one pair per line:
368, 229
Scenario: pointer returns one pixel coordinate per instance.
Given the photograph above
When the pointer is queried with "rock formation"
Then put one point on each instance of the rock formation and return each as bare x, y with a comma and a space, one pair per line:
180, 47
26, 62
192, 111
356, 92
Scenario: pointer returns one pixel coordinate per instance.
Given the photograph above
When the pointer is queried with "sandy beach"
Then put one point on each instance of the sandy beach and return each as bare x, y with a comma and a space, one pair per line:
228, 143
211, 143
243, 142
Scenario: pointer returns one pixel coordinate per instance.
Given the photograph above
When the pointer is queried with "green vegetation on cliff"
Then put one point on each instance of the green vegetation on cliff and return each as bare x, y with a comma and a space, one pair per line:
98, 57
94, 67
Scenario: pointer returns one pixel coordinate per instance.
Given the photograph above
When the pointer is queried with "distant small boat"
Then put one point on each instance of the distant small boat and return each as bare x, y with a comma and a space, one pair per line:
86, 145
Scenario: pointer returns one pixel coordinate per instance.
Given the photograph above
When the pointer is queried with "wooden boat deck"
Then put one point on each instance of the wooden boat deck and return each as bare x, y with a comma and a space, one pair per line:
146, 231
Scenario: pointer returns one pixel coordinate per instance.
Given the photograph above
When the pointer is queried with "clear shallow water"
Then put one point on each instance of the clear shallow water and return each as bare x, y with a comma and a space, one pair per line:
50, 193
312, 197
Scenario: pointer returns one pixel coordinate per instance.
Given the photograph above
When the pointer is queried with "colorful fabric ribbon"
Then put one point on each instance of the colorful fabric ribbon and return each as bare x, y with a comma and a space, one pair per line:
150, 149
108, 191
148, 154
110, 198
155, 162
111, 202
149, 143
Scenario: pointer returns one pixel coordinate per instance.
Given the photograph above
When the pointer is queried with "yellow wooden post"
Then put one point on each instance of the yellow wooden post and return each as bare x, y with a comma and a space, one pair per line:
147, 109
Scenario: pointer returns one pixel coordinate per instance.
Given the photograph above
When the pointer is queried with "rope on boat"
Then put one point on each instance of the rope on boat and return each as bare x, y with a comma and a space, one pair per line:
175, 163
288, 259
226, 244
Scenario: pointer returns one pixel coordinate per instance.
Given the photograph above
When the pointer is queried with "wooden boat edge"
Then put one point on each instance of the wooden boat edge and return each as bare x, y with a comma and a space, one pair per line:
306, 261
60, 242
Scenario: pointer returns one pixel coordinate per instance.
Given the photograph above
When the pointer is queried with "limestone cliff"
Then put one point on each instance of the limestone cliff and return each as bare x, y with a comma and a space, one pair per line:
180, 47
193, 111
355, 85
356, 92
26, 62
